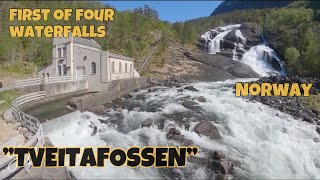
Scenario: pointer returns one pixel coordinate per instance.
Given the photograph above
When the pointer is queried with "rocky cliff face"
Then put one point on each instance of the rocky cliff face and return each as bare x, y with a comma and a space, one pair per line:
230, 5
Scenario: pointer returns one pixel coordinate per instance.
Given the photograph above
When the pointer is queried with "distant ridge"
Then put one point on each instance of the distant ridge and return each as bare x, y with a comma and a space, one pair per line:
231, 5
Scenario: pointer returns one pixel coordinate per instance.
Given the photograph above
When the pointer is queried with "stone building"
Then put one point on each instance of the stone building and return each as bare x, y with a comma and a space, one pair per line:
80, 57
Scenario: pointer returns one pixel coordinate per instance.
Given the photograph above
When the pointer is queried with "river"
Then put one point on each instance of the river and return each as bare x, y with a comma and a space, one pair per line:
267, 143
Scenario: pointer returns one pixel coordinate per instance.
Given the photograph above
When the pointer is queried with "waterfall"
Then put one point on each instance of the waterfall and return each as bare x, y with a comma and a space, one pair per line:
213, 43
268, 143
260, 58
240, 38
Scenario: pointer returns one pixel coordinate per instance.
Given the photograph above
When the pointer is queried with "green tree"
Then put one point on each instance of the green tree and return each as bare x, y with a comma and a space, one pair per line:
292, 56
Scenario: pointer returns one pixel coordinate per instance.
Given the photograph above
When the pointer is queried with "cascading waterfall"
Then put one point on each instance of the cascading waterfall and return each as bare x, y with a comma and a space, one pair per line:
260, 58
267, 143
214, 42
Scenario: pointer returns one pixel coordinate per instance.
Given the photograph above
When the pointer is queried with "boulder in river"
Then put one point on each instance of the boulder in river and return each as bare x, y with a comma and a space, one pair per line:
206, 128
191, 88
201, 99
218, 155
147, 123
223, 167
189, 104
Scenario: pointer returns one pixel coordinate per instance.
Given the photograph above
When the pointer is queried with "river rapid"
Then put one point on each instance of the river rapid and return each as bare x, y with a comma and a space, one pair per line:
266, 142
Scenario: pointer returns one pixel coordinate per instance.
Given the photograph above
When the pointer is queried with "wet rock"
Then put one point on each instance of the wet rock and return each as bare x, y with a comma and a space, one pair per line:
99, 110
128, 96
147, 123
318, 130
206, 128
223, 167
152, 90
176, 137
307, 118
227, 167
95, 130
191, 88
189, 104
180, 90
186, 142
201, 99
220, 177
218, 155
174, 131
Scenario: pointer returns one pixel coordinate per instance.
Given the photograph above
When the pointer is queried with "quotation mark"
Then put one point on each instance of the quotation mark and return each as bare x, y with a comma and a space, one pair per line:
5, 150
192, 151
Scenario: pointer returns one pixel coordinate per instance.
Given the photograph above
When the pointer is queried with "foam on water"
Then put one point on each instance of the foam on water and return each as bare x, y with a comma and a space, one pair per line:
259, 59
268, 143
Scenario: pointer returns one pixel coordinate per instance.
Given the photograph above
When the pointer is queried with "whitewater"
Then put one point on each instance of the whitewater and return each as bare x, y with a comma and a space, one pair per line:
267, 143
258, 57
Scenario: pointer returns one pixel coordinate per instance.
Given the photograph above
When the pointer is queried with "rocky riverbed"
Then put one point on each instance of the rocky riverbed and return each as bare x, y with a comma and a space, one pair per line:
236, 137
216, 162
294, 106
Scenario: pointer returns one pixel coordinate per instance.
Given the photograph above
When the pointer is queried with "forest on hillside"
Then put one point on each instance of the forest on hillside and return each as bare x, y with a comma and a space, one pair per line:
132, 33
293, 31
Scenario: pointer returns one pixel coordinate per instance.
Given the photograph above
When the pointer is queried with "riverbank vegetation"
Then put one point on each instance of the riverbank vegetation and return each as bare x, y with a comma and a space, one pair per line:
6, 98
312, 102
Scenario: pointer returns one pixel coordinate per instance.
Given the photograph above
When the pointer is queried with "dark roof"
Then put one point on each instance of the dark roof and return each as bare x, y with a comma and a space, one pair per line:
86, 42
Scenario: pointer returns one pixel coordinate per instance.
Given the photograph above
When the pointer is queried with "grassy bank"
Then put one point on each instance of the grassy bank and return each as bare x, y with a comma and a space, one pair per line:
312, 102
6, 98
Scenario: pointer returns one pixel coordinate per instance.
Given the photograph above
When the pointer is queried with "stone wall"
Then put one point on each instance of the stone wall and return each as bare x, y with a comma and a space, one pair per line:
29, 89
66, 87
116, 89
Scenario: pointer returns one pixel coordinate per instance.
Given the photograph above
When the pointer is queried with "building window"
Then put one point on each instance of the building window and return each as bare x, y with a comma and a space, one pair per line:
85, 58
47, 74
59, 52
93, 68
64, 50
112, 68
64, 70
131, 68
59, 70
120, 68
126, 68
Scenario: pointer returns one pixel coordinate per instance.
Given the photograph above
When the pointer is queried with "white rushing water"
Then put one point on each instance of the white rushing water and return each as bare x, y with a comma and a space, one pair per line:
259, 58
214, 42
268, 143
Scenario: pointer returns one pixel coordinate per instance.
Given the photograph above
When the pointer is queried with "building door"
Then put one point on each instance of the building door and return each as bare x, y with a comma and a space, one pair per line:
80, 72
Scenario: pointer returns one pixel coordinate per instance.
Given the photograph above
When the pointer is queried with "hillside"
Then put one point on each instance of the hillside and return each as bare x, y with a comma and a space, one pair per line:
293, 32
133, 34
230, 5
